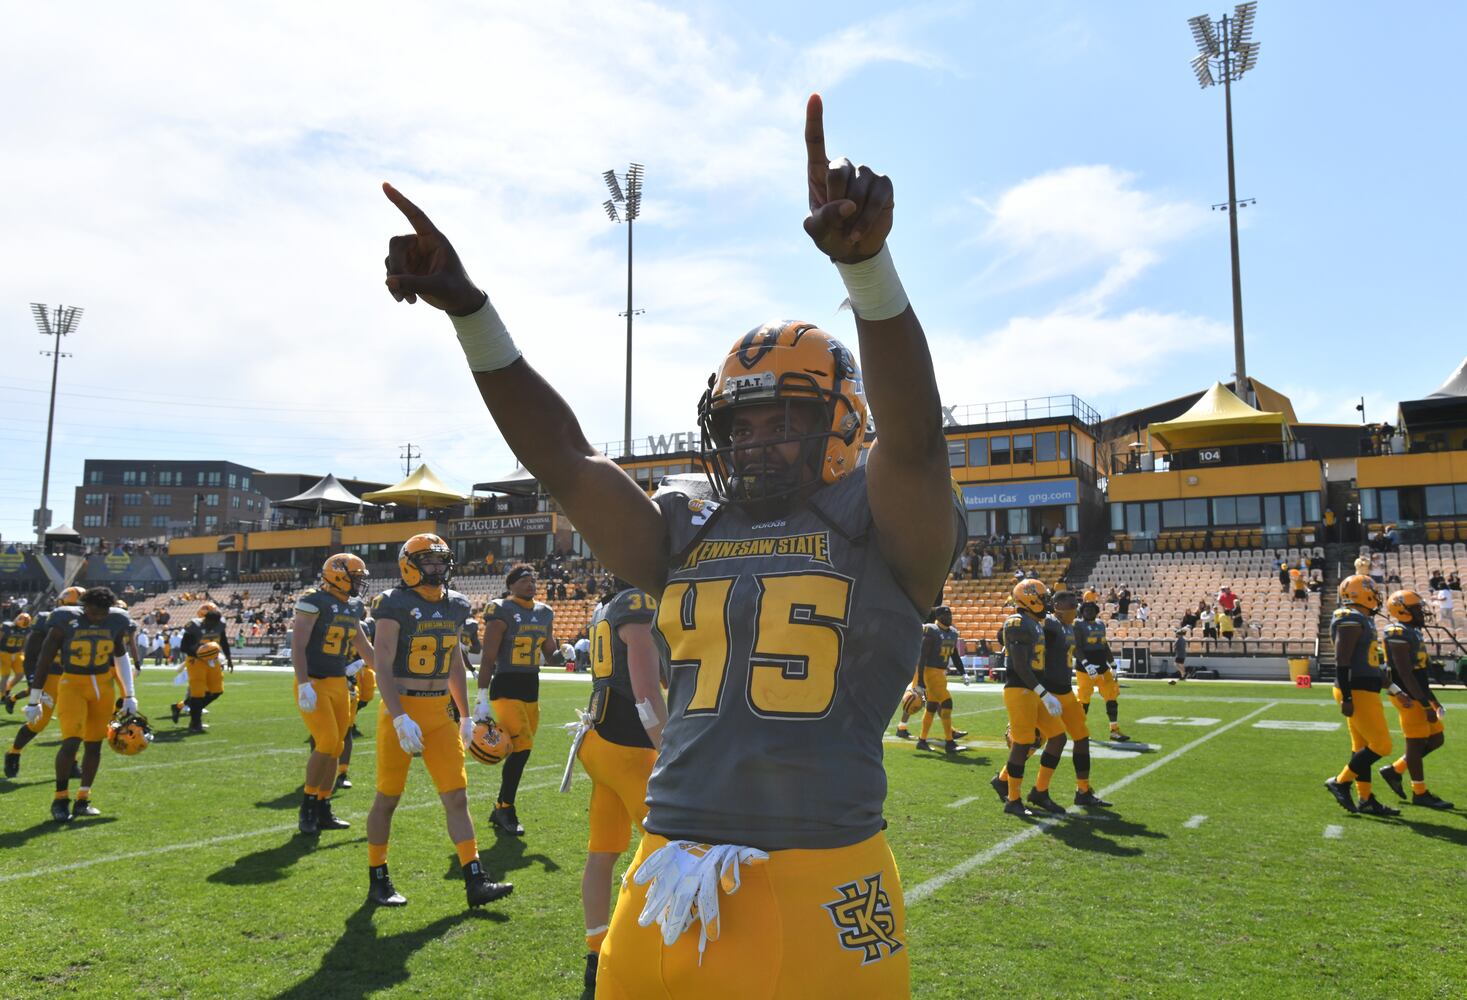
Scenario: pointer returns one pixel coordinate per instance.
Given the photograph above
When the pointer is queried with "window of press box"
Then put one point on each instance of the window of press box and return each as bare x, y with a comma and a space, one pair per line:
1018, 520
999, 449
1023, 449
955, 453
978, 452
1044, 447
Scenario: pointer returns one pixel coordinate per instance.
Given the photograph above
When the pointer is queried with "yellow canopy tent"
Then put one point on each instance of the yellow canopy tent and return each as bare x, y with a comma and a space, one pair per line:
421, 489
1219, 418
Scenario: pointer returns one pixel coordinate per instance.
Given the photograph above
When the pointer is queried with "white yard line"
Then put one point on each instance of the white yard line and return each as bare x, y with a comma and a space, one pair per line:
1194, 822
962, 802
1333, 832
922, 890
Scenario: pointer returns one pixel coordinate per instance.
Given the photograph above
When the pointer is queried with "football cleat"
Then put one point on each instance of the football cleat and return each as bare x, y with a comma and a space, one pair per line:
308, 819
1119, 737
903, 733
84, 807
1015, 808
923, 745
1390, 777
480, 890
1430, 801
1000, 786
381, 891
959, 734
12, 765
342, 781
9, 705
175, 710
504, 820
61, 810
328, 820
1088, 798
951, 746
1341, 794
1375, 807
1043, 801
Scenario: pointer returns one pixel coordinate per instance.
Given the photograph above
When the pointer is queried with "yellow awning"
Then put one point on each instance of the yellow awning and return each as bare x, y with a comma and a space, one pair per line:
1218, 418
421, 489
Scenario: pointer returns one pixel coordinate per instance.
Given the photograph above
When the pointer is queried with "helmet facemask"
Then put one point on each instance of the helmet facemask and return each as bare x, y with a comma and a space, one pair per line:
758, 474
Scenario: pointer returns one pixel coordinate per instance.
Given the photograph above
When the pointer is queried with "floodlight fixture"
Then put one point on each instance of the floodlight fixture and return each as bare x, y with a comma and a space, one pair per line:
1226, 51
630, 198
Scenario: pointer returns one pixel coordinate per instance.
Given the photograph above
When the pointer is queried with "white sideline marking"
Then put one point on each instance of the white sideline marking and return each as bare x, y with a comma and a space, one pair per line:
1297, 726
1333, 832
962, 802
922, 890
1176, 720
1194, 822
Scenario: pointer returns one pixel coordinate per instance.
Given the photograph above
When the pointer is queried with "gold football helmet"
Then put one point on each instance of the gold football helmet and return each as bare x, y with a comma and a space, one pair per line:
911, 702
1360, 591
129, 734
344, 574
208, 608
1031, 596
417, 550
490, 744
206, 650
1406, 607
70, 597
22, 620
789, 362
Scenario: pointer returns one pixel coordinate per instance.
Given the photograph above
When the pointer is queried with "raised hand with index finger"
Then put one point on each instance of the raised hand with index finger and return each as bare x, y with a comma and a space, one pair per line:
850, 206
425, 265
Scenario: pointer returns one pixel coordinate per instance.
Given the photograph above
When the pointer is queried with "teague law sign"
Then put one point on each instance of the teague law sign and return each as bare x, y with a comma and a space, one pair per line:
504, 526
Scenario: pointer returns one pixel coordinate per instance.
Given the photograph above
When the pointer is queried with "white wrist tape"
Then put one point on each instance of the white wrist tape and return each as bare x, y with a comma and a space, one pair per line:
1039, 690
873, 286
1395, 689
485, 339
647, 713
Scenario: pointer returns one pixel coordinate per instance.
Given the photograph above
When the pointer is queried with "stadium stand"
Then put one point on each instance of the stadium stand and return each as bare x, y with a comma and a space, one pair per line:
978, 605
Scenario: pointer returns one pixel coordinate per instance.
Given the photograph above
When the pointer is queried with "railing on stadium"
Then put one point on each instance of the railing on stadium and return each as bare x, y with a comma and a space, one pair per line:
1034, 408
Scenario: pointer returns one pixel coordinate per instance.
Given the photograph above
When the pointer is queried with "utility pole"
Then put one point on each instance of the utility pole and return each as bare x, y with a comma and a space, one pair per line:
407, 454
65, 320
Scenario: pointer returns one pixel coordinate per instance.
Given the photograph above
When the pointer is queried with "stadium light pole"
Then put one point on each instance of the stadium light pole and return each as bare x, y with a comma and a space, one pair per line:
65, 320
631, 201
1226, 51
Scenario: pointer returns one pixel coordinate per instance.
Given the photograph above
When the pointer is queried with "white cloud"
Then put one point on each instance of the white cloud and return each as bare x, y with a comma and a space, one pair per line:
205, 181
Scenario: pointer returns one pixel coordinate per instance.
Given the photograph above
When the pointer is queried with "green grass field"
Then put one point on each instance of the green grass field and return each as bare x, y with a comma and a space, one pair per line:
1224, 869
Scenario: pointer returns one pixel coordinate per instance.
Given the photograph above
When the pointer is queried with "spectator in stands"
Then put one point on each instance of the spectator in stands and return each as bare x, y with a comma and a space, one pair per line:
987, 565
965, 563
1143, 613
1225, 627
1123, 605
1437, 581
1454, 582
1208, 618
1392, 538
1299, 583
1283, 576
1316, 582
1329, 525
1393, 577
1445, 607
1226, 599
1189, 620
1377, 568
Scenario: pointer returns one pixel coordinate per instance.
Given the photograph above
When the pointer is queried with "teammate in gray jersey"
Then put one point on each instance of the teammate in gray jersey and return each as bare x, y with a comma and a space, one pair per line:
791, 592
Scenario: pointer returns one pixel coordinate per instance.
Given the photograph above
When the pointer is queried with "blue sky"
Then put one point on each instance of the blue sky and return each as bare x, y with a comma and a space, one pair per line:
204, 182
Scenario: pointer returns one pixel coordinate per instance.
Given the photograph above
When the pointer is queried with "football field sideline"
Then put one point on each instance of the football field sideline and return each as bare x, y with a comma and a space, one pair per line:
923, 890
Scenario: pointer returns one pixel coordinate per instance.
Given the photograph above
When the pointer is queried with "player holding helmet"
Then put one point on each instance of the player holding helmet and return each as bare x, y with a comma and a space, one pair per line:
939, 648
1359, 678
1095, 664
35, 639
12, 656
790, 594
1024, 694
205, 675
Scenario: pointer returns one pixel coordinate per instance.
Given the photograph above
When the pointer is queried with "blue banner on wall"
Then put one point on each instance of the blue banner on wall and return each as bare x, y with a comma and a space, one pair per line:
1046, 493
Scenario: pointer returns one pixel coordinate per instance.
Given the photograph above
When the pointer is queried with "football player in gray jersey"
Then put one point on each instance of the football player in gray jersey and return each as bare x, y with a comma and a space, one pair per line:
791, 595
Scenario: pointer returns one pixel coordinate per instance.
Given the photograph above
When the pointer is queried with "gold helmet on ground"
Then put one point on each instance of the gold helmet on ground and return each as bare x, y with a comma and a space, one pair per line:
345, 574
1360, 591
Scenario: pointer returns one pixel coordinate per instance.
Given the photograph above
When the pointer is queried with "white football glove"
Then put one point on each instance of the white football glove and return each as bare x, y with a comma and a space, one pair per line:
305, 697
1052, 704
466, 731
409, 734
32, 713
1092, 670
129, 705
685, 880
34, 704
354, 666
481, 707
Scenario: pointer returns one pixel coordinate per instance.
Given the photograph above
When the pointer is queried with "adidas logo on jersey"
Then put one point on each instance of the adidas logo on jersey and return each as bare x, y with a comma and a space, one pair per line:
437, 614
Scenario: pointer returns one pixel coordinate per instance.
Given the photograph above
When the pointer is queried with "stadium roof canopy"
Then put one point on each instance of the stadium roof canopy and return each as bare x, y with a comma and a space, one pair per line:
421, 489
1219, 418
1455, 385
519, 482
64, 532
1443, 410
327, 497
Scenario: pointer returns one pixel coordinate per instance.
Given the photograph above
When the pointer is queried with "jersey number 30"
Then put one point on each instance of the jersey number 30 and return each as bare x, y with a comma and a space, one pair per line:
799, 632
